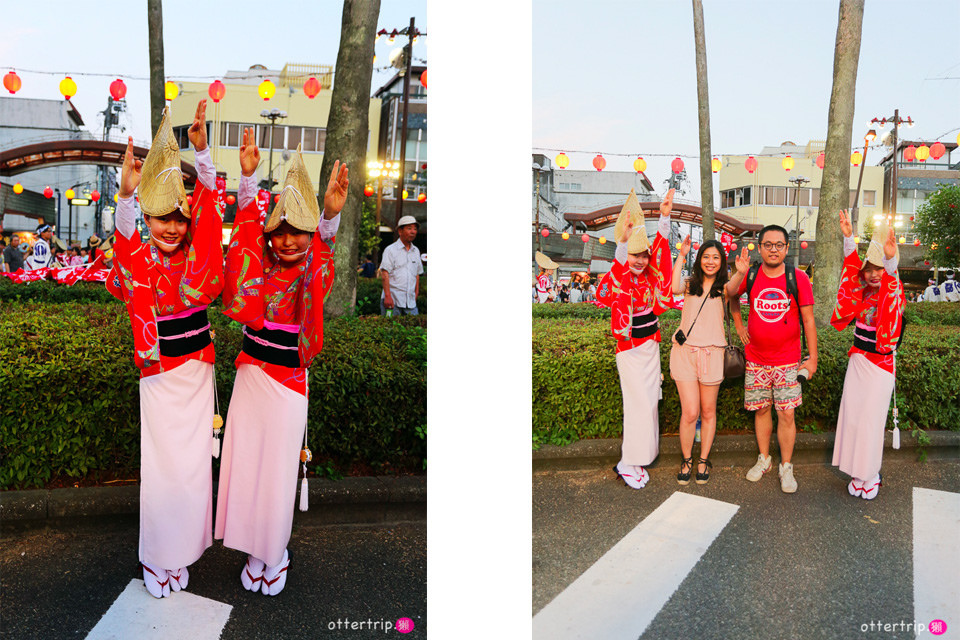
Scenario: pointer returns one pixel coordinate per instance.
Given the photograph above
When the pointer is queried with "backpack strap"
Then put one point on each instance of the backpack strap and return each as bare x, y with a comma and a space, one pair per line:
793, 290
751, 278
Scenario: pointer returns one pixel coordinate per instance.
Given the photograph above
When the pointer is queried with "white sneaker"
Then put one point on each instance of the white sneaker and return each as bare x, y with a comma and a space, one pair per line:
763, 465
871, 488
787, 483
635, 477
855, 487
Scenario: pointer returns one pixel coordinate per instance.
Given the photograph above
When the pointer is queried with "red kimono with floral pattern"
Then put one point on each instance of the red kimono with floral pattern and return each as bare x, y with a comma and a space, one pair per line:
258, 291
631, 296
881, 312
153, 284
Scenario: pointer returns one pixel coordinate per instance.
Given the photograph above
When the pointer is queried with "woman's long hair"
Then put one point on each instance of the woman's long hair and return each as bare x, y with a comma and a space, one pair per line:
695, 283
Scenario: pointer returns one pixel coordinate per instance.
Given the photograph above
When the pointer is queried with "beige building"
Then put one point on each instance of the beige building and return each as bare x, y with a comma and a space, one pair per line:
240, 107
767, 196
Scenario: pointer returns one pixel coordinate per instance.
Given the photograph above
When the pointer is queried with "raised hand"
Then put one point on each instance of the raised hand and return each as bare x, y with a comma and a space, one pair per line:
685, 246
743, 261
845, 225
249, 153
198, 130
131, 172
666, 206
627, 231
336, 194
890, 245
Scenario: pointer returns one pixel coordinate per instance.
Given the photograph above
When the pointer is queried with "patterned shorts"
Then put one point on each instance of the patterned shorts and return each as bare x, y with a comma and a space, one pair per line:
766, 385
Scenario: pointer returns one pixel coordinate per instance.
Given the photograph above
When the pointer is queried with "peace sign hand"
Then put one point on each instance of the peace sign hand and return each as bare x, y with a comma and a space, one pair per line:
845, 225
130, 175
666, 206
198, 130
890, 246
249, 153
743, 261
627, 231
336, 195
685, 247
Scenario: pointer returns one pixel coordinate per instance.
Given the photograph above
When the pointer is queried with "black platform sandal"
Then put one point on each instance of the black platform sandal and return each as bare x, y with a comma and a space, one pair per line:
684, 478
702, 478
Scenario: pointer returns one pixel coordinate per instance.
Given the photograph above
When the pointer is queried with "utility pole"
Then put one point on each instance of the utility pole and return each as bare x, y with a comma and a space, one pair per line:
799, 181
411, 32
896, 121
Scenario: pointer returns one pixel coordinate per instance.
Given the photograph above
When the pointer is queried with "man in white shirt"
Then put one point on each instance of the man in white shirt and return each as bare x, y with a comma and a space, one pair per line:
950, 292
400, 271
932, 292
41, 250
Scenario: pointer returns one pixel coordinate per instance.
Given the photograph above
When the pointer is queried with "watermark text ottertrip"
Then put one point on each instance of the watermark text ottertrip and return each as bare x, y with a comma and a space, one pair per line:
935, 627
403, 625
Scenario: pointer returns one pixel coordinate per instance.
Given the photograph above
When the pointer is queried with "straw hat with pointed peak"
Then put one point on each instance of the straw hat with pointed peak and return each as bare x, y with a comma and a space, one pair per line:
545, 262
875, 250
631, 211
161, 183
298, 201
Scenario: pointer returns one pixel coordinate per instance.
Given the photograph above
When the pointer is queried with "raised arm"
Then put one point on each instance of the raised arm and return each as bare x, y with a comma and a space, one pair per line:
743, 265
677, 283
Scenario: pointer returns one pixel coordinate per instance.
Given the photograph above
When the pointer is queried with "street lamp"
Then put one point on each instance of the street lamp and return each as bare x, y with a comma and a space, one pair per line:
799, 181
855, 210
272, 115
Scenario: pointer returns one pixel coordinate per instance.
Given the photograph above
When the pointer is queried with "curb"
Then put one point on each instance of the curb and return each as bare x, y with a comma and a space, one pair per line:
737, 450
364, 500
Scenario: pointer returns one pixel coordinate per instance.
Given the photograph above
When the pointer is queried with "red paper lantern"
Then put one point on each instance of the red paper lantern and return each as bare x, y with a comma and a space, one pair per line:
599, 163
368, 191
95, 196
733, 247
423, 78
696, 246
545, 233
926, 262
48, 193
677, 165
118, 89
820, 160
11, 82
916, 242
231, 199
276, 198
910, 153
937, 150
422, 197
311, 88
803, 245
190, 199
585, 238
750, 164
216, 91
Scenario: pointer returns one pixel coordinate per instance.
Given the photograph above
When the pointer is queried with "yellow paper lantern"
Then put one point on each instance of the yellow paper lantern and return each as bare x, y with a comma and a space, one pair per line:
787, 163
266, 89
171, 90
856, 158
562, 160
565, 235
923, 152
405, 194
18, 188
68, 87
640, 165
856, 239
958, 138
903, 239
69, 193
715, 164
116, 197
750, 246
678, 245
603, 239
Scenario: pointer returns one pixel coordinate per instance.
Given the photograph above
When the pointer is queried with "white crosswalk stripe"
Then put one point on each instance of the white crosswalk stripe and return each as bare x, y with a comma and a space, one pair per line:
622, 592
936, 564
137, 614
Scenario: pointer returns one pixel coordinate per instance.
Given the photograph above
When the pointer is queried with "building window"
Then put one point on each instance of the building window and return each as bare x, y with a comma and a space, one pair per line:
814, 197
735, 198
869, 198
293, 137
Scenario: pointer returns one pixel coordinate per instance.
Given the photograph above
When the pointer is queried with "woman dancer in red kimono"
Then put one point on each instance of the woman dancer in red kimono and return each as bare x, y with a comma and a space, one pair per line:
277, 277
167, 285
638, 289
871, 296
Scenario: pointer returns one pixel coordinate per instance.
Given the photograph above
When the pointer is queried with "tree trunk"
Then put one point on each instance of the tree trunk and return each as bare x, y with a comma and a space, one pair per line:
155, 38
835, 185
347, 130
703, 111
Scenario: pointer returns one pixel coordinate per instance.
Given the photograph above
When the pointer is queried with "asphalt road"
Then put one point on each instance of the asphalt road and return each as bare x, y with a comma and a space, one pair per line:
58, 583
815, 564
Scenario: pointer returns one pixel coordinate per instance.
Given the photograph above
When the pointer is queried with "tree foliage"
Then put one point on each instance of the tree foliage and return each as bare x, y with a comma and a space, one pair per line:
938, 223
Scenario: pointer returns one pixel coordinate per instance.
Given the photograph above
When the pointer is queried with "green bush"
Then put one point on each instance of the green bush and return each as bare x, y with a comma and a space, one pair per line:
576, 388
70, 402
50, 291
368, 296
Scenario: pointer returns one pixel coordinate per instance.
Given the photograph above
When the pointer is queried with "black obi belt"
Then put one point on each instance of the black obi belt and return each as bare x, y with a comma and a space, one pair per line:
276, 346
184, 333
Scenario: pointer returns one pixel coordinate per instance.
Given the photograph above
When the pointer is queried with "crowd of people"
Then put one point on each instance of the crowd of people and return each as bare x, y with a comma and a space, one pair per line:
47, 251
641, 285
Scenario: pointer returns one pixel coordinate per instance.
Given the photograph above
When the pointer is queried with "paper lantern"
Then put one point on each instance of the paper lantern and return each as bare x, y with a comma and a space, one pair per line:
715, 164
856, 239
368, 191
599, 163
545, 233
565, 235
311, 88
937, 150
803, 245
70, 194
787, 163
676, 165
562, 160
118, 89
751, 164
750, 246
903, 239
68, 87
958, 138
423, 78
11, 82
733, 247
231, 199
276, 198
585, 238
216, 91
422, 197
603, 240
405, 194
171, 90
266, 89
916, 242
48, 193
910, 153
116, 197
678, 245
856, 158
18, 188
190, 200
640, 165
923, 152
820, 160
696, 246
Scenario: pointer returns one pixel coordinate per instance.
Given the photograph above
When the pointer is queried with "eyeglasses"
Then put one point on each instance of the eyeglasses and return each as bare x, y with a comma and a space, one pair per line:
770, 246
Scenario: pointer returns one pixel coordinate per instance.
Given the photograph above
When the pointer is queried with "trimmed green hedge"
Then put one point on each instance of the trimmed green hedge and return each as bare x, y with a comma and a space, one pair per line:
576, 388
368, 296
70, 400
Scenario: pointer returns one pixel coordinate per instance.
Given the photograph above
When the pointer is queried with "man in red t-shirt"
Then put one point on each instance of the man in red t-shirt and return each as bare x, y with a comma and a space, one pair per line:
773, 350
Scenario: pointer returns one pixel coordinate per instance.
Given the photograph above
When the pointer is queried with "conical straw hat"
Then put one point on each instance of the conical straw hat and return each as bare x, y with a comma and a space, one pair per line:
544, 262
638, 242
875, 250
631, 211
161, 184
298, 201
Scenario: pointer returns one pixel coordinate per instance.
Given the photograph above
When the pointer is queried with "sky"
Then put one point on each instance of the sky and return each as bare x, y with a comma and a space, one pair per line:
202, 39
620, 77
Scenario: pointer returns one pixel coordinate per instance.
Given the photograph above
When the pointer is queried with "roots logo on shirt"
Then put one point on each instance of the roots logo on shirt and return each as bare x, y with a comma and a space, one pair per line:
771, 304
